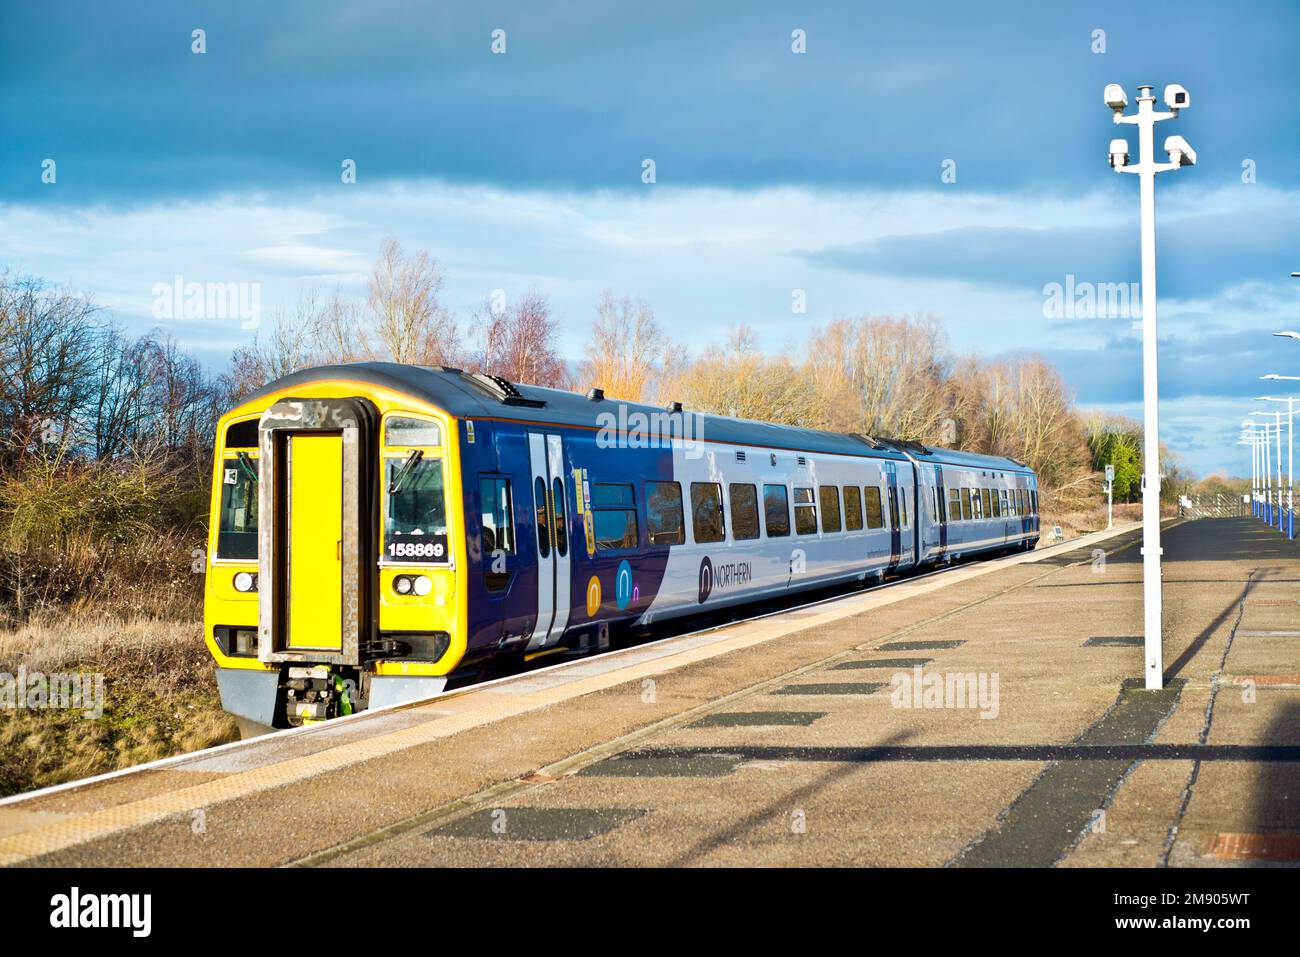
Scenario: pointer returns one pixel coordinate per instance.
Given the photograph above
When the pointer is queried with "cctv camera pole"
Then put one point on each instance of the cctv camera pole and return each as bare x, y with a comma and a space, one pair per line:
1146, 169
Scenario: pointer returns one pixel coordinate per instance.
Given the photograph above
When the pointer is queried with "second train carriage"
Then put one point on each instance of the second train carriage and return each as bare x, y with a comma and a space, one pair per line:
376, 526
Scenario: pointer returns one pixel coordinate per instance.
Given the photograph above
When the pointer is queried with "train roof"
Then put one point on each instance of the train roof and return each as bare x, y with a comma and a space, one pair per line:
474, 396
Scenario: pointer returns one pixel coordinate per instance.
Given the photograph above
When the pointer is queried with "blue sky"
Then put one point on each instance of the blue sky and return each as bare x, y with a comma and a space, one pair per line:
775, 171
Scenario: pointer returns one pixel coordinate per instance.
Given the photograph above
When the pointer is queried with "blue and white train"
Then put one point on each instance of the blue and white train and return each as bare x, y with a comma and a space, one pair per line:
377, 527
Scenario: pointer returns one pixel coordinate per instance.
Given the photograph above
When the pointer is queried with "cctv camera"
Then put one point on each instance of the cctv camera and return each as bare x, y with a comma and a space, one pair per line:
1118, 153
1176, 97
1115, 98
1180, 151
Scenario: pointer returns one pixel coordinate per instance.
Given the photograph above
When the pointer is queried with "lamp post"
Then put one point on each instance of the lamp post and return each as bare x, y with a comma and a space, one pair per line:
1180, 154
1264, 430
1288, 522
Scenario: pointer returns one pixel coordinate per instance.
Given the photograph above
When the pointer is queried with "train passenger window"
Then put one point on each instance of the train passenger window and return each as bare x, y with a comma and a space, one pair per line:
561, 528
830, 497
975, 508
663, 513
852, 508
1031, 505
706, 512
497, 517
776, 511
237, 532
805, 512
875, 515
415, 527
406, 432
965, 505
987, 496
954, 505
744, 512
543, 526
1002, 502
902, 510
1033, 502
613, 513
893, 508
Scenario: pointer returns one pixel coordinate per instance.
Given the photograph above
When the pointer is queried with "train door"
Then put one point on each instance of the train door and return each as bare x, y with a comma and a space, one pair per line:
940, 514
314, 575
895, 531
316, 530
550, 513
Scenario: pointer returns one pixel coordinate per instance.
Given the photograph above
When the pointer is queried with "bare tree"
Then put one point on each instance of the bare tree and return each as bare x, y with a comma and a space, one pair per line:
627, 352
49, 345
410, 323
518, 343
881, 375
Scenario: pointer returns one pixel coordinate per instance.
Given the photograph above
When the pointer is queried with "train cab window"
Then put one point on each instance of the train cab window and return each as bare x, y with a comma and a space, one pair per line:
987, 496
875, 514
805, 512
744, 512
497, 517
776, 511
965, 505
543, 525
561, 526
400, 430
954, 505
1033, 502
415, 525
706, 512
830, 498
852, 508
613, 512
237, 531
663, 513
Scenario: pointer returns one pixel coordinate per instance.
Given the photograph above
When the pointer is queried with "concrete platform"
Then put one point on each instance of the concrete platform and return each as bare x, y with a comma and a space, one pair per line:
795, 739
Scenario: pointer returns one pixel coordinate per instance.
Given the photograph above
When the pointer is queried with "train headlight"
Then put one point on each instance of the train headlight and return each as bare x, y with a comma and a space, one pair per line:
245, 582
412, 585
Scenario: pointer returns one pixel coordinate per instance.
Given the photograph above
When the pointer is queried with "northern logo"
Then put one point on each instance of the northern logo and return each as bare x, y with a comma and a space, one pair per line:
706, 579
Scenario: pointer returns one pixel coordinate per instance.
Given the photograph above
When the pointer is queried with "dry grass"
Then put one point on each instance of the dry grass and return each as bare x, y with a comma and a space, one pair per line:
160, 698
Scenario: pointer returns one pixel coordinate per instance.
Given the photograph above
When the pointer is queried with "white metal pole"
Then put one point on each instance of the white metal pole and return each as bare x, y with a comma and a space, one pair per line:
1152, 599
1278, 414
1255, 473
1268, 476
1290, 461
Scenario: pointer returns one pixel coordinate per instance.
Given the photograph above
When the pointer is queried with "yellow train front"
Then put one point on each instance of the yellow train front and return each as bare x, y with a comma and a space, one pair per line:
332, 582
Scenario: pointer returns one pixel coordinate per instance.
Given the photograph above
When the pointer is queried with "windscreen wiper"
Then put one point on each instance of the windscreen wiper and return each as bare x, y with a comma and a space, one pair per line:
412, 458
246, 463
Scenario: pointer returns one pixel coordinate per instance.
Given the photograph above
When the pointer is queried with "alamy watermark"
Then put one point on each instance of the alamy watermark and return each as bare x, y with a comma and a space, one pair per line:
37, 691
179, 299
1092, 300
921, 689
634, 429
